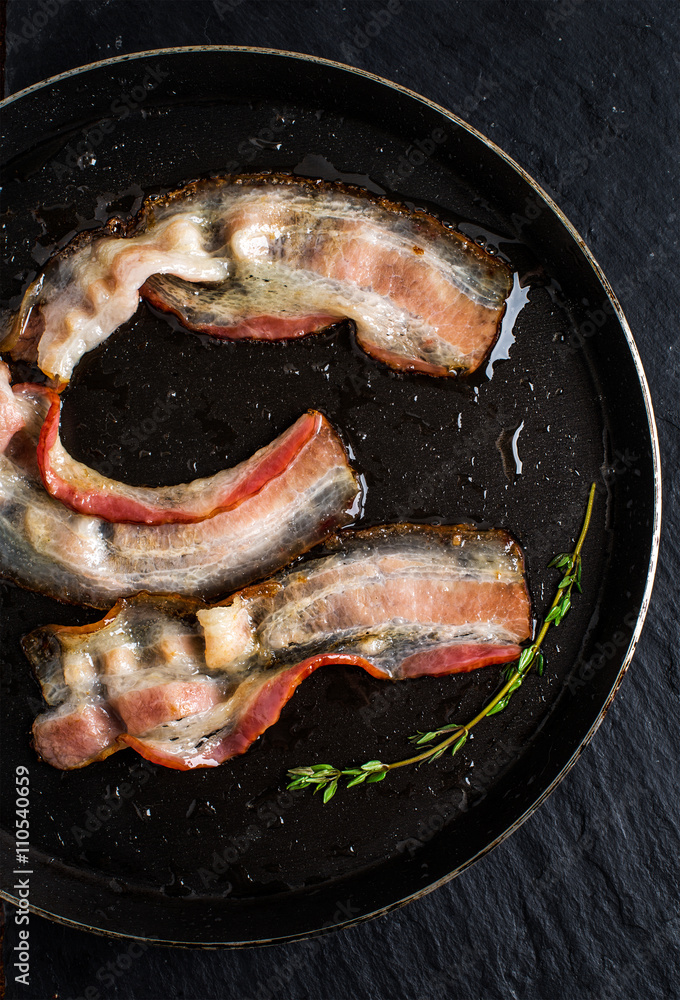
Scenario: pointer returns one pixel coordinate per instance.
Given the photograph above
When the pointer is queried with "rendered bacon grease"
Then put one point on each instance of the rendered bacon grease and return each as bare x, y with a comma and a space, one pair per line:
189, 685
84, 559
273, 257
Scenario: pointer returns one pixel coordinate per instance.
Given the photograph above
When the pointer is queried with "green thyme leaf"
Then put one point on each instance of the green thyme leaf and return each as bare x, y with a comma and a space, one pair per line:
449, 729
526, 658
326, 777
330, 791
361, 778
563, 559
499, 706
563, 608
423, 737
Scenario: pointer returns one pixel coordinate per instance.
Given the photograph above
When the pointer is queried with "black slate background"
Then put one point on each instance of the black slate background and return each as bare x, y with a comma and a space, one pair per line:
583, 900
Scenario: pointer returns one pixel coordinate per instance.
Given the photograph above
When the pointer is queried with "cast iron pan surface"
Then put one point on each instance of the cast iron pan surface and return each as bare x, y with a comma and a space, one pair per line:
226, 856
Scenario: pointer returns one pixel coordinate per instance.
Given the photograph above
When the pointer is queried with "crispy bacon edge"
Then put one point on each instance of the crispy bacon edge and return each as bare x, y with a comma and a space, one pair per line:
262, 707
22, 337
123, 509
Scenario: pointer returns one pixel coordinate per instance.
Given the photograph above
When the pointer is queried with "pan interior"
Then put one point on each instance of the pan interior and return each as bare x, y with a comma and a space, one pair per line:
515, 446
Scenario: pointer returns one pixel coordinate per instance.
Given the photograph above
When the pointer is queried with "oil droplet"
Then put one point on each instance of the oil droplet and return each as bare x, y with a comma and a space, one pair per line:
517, 299
515, 453
314, 165
264, 143
506, 442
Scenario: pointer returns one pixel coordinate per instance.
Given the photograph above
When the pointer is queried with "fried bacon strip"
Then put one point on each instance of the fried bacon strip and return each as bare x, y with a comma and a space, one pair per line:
91, 287
87, 492
273, 257
287, 502
189, 685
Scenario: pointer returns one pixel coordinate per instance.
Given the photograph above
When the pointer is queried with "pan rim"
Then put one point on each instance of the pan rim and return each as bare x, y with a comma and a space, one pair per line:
655, 455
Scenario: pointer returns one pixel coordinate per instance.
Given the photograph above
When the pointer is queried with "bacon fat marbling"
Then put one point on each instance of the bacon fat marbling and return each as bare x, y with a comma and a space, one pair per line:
273, 257
84, 559
86, 491
190, 685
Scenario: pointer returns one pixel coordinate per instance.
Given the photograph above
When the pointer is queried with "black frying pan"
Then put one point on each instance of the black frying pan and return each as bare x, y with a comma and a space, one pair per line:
226, 856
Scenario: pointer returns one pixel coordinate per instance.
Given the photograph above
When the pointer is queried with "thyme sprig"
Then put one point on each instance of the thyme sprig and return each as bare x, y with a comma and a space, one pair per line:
326, 778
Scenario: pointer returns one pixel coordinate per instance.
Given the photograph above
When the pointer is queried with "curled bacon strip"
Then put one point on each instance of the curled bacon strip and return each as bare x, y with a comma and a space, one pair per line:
89, 289
87, 492
273, 257
278, 504
188, 685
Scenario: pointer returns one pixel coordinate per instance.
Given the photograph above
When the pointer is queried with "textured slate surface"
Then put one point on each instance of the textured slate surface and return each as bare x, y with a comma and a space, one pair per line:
583, 900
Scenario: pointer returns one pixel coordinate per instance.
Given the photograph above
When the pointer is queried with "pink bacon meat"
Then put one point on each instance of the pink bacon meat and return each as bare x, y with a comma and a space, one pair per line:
284, 502
87, 492
193, 685
273, 257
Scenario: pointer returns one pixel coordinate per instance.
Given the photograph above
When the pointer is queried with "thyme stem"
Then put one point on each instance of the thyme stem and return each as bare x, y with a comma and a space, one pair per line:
324, 776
